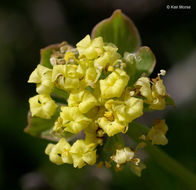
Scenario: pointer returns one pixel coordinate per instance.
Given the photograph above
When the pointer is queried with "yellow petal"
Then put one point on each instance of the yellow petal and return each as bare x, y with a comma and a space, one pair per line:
110, 127
83, 99
84, 43
90, 157
126, 111
159, 88
109, 56
65, 76
134, 108
73, 119
145, 89
114, 84
42, 76
90, 49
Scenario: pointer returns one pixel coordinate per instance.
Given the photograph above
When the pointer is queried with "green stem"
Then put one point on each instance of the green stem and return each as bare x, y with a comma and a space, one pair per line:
163, 159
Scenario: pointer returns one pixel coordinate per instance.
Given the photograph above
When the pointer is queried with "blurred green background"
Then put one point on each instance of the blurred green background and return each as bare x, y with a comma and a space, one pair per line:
26, 26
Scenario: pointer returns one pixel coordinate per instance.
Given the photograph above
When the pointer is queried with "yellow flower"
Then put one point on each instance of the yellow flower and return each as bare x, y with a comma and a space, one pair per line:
158, 103
58, 130
157, 133
88, 73
100, 104
110, 127
122, 156
155, 95
109, 56
59, 153
42, 106
82, 67
90, 49
114, 84
159, 88
126, 111
158, 94
70, 57
145, 89
83, 154
65, 76
42, 76
93, 134
82, 99
73, 119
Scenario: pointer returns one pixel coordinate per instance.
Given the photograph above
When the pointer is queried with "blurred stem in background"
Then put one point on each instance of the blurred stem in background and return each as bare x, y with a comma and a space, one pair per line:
161, 158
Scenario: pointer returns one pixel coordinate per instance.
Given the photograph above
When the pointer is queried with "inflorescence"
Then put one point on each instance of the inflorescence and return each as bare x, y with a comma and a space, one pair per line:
100, 104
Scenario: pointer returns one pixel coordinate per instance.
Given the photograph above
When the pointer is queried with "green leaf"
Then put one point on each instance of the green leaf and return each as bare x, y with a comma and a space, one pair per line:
139, 64
46, 53
59, 95
169, 101
40, 127
119, 30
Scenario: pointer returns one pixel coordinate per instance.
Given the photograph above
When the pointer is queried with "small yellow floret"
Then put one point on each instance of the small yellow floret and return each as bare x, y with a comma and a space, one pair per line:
73, 119
65, 76
90, 49
92, 137
109, 56
126, 111
158, 94
155, 95
159, 88
42, 76
59, 153
82, 154
42, 106
70, 56
88, 73
82, 99
110, 127
114, 84
145, 89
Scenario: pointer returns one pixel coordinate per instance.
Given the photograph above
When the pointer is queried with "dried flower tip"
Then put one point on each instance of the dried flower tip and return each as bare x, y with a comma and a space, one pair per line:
157, 133
142, 137
162, 72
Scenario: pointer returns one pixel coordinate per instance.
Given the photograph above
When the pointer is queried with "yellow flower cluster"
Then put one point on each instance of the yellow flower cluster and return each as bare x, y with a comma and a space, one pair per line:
100, 103
78, 154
